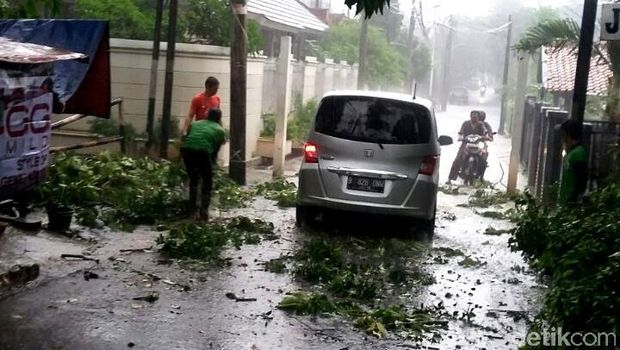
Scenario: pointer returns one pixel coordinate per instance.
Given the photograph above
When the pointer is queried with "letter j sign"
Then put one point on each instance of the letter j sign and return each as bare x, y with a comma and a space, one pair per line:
610, 22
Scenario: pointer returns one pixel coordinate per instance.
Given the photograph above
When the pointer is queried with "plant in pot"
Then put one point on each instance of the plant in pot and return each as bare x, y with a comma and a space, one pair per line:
61, 194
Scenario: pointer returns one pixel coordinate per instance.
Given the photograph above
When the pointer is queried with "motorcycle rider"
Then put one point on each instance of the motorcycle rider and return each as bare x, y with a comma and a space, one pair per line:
472, 126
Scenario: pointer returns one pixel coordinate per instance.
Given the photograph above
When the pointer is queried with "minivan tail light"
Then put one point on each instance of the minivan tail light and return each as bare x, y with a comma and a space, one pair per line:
428, 165
311, 152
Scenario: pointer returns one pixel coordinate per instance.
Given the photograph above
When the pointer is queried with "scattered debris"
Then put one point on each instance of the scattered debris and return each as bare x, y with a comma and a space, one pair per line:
449, 216
150, 298
280, 190
469, 262
130, 345
450, 190
88, 275
512, 280
147, 274
137, 250
497, 215
450, 252
492, 231
276, 265
78, 257
232, 296
485, 199
20, 274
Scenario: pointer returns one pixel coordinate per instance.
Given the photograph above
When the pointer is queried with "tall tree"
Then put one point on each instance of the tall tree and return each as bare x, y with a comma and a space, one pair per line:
209, 21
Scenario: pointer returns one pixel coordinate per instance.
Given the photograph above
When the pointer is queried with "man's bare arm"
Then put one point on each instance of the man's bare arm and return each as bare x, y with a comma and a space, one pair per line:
187, 121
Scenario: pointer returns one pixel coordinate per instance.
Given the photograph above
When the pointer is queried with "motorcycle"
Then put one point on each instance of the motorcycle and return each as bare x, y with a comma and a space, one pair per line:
483, 91
471, 169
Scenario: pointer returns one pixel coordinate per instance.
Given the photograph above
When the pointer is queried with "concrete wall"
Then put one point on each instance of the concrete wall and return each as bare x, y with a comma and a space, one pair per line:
130, 64
310, 79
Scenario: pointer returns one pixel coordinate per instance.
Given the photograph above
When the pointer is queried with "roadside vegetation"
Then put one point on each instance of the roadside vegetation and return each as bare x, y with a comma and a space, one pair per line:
361, 281
577, 250
121, 192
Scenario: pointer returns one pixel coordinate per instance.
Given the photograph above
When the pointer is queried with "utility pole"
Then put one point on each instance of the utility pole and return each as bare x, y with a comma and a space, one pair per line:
238, 92
517, 122
446, 65
410, 44
170, 51
583, 60
363, 69
150, 119
502, 119
432, 82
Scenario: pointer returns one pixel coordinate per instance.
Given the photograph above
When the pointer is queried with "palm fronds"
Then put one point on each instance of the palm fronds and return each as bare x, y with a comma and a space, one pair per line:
553, 32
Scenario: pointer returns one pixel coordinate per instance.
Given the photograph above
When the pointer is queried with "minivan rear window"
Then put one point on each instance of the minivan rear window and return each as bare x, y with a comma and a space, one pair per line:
375, 120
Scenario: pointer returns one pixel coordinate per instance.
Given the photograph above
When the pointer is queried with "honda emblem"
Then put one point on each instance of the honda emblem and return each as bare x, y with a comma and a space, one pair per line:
368, 153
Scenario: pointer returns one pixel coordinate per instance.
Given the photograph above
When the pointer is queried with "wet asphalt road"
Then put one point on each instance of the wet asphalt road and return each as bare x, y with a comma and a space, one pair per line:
61, 310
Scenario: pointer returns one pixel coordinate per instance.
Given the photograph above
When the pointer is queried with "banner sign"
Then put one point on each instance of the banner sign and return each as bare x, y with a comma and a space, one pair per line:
25, 131
610, 22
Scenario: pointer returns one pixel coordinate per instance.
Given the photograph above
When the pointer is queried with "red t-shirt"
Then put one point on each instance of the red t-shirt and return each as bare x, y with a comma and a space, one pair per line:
201, 104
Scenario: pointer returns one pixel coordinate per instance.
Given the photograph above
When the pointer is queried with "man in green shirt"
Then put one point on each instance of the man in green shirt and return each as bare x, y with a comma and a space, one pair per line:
199, 151
575, 165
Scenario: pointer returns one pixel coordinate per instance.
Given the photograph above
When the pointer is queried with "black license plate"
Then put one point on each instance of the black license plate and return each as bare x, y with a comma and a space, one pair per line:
365, 184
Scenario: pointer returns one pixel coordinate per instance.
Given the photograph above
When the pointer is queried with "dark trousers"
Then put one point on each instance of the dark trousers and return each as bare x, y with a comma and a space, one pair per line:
198, 166
457, 164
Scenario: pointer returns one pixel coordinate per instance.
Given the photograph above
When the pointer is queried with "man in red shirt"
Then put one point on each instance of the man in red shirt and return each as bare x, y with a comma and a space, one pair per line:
201, 104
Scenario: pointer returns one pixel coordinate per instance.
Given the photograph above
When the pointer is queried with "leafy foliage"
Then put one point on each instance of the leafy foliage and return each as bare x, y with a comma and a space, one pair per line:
557, 32
298, 123
30, 8
374, 322
206, 242
387, 66
127, 19
578, 249
132, 191
484, 199
303, 304
369, 7
280, 190
209, 21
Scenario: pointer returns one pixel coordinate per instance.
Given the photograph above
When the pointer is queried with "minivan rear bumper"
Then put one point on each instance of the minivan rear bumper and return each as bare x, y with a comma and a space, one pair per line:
421, 205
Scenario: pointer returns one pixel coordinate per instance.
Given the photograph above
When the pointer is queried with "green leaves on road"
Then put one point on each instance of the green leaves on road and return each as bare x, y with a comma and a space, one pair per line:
205, 242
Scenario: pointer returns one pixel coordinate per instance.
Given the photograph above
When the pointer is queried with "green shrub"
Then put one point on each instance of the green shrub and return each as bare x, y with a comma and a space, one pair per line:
578, 249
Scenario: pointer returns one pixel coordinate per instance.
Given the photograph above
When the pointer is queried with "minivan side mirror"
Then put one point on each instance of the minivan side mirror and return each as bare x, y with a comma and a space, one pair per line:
445, 140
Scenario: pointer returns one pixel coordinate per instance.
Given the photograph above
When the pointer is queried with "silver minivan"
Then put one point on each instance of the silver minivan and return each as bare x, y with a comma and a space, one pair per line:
371, 152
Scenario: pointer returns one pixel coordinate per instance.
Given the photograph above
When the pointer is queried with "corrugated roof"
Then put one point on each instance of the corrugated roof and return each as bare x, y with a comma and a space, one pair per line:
559, 65
289, 13
17, 52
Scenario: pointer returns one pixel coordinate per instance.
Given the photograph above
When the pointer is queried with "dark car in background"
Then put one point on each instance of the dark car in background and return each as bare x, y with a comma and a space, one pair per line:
459, 95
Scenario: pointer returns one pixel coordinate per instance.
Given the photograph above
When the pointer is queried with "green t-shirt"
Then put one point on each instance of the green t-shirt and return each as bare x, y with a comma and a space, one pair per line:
574, 175
205, 135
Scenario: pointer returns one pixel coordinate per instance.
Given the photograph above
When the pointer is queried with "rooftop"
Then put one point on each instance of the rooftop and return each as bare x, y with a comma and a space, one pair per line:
285, 15
559, 65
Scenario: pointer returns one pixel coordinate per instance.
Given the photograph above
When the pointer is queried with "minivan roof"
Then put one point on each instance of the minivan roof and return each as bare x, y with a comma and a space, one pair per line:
382, 94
